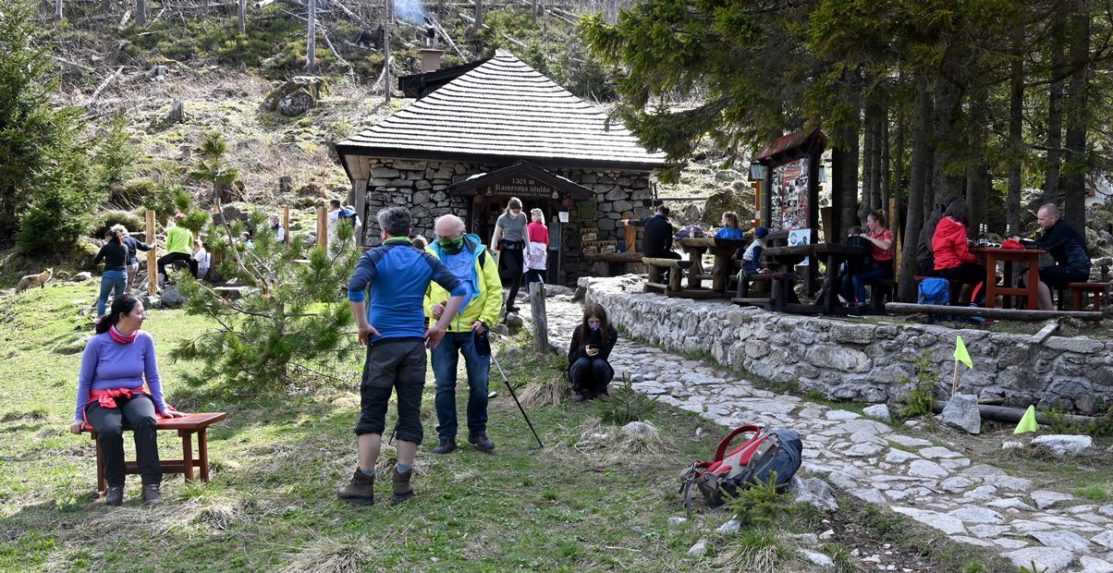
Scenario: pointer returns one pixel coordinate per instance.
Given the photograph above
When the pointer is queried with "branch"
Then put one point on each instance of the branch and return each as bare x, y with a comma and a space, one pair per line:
103, 85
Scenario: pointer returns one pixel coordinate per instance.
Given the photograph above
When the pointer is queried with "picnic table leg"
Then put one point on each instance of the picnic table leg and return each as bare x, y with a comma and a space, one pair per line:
990, 281
719, 280
203, 453
1033, 284
102, 485
187, 454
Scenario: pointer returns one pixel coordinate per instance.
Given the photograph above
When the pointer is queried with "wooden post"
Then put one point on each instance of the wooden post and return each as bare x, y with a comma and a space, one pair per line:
540, 321
286, 224
322, 227
152, 263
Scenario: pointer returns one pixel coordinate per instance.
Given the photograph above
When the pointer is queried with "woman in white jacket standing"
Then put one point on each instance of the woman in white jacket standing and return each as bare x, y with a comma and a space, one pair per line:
537, 249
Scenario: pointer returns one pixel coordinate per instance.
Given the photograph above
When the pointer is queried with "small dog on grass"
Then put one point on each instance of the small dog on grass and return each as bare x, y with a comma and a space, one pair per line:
32, 281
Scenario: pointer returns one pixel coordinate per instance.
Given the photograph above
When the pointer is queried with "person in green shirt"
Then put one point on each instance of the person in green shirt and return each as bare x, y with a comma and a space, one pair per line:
179, 243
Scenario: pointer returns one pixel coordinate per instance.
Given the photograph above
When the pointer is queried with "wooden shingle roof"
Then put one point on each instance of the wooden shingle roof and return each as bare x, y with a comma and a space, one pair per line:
504, 110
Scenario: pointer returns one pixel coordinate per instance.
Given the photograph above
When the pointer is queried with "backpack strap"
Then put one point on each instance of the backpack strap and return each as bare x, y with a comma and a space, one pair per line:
725, 442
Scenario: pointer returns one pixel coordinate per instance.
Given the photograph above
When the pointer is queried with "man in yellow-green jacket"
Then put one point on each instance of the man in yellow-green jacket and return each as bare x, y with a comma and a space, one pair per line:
179, 247
467, 259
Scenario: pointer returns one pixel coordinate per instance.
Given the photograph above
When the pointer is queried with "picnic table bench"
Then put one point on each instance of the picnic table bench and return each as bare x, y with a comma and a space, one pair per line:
723, 269
784, 259
187, 425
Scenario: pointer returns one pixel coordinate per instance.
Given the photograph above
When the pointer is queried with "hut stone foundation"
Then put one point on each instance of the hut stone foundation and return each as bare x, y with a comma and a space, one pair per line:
422, 186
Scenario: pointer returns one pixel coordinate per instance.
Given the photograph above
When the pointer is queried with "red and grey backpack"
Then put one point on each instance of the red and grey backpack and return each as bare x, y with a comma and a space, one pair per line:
763, 455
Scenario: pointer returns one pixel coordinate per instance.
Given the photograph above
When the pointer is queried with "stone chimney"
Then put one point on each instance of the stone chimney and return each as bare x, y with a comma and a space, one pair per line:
430, 59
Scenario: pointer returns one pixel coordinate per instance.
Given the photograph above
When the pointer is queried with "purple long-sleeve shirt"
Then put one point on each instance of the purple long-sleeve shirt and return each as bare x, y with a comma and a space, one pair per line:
108, 364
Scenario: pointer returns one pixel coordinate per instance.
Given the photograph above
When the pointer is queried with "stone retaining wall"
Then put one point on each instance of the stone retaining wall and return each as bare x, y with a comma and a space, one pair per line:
859, 361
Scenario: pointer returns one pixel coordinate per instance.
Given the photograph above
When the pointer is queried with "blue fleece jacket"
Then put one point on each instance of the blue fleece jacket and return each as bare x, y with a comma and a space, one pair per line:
397, 275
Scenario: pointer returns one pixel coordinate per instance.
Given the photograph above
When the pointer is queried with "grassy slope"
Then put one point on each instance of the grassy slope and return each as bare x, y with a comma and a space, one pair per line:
277, 461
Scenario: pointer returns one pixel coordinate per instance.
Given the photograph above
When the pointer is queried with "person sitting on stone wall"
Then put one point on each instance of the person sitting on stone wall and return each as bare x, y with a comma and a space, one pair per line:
592, 342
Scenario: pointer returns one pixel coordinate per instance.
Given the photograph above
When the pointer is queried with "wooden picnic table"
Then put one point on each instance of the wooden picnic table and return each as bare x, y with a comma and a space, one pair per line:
187, 425
1011, 258
722, 249
784, 259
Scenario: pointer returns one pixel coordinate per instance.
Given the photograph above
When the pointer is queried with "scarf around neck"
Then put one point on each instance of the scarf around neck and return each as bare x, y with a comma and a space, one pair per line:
119, 338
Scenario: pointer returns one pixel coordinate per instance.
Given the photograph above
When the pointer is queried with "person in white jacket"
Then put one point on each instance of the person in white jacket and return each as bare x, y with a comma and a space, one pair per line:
537, 249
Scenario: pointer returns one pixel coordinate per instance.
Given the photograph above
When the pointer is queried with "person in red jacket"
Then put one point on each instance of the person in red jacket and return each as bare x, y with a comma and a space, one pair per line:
953, 259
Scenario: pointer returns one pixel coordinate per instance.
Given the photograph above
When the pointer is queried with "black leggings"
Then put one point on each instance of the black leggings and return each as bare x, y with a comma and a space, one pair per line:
175, 257
511, 261
590, 375
139, 411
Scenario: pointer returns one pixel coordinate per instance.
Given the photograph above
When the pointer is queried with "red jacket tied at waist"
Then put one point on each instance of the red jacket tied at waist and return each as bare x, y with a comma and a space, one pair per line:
948, 245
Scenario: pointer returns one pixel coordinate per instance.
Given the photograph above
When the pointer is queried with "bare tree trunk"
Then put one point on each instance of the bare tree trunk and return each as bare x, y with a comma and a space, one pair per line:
311, 37
388, 29
977, 174
869, 145
885, 183
849, 179
1074, 179
141, 12
1016, 127
1055, 105
921, 171
58, 9
243, 16
876, 174
948, 106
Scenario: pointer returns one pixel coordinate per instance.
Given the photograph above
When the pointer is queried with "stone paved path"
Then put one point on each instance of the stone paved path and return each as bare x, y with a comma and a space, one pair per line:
972, 503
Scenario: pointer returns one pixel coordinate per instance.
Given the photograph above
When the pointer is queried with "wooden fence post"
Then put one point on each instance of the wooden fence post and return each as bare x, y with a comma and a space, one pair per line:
152, 263
540, 321
322, 228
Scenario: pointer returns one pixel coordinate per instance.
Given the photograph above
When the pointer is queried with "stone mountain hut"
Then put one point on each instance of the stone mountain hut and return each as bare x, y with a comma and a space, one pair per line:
498, 130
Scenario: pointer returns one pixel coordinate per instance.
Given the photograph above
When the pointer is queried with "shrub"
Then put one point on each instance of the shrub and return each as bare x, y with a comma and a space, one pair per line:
760, 505
920, 400
625, 405
112, 158
105, 221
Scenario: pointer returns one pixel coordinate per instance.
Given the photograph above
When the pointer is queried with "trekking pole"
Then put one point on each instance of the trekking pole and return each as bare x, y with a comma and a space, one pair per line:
515, 396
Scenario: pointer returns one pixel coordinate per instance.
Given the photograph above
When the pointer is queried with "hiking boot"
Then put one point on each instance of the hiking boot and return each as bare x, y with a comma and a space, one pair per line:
151, 494
115, 495
445, 445
360, 490
402, 489
481, 442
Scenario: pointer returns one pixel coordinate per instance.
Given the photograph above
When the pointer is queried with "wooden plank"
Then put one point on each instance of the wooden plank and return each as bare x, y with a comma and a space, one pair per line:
1045, 332
286, 224
322, 227
1003, 313
661, 263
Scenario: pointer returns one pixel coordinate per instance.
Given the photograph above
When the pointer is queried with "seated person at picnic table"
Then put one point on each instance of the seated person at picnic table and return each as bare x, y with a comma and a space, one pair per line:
592, 342
879, 266
730, 228
657, 242
1067, 246
951, 251
751, 257
110, 390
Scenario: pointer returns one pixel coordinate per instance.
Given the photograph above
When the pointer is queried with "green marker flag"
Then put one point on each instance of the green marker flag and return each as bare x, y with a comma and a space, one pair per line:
1028, 422
961, 355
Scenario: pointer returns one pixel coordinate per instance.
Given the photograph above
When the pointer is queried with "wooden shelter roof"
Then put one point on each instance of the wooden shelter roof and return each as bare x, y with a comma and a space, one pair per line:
786, 146
504, 110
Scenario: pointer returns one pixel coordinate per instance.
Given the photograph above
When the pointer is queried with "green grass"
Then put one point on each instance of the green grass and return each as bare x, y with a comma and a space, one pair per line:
581, 504
1094, 492
278, 460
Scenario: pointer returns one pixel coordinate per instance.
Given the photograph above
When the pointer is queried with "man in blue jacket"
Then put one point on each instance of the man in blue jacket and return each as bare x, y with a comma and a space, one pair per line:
396, 337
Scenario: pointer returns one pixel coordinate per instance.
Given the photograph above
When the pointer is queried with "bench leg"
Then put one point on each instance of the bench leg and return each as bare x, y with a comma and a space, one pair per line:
1076, 299
203, 453
102, 483
187, 454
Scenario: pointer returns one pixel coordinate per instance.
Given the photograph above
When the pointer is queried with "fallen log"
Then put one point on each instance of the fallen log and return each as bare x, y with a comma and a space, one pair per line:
103, 85
1003, 313
1009, 414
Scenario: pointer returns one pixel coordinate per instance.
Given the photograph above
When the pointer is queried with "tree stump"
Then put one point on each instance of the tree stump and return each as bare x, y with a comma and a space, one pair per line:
177, 113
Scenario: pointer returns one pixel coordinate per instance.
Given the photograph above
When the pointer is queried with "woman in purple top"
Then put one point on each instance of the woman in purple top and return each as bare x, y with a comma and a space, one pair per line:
110, 390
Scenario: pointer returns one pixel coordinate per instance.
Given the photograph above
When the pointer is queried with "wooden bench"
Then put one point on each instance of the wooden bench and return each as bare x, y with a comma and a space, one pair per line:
1098, 293
186, 426
655, 269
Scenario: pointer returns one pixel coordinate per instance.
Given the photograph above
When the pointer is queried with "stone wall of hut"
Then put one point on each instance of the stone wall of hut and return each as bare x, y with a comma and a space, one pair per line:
421, 186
